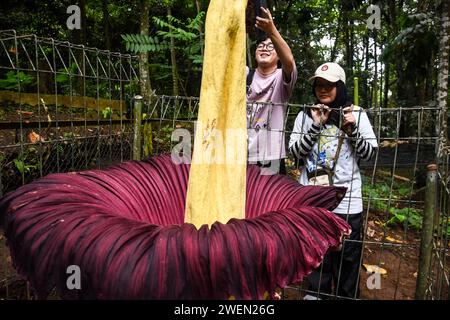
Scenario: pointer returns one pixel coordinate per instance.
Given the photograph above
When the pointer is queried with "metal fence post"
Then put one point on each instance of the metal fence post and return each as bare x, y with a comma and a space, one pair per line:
427, 232
137, 112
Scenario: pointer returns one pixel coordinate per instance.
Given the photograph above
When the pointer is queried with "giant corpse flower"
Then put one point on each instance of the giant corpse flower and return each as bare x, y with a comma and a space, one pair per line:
124, 228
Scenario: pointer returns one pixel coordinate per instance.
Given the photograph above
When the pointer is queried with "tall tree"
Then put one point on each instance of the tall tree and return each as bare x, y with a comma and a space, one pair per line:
173, 58
106, 24
144, 79
442, 92
81, 34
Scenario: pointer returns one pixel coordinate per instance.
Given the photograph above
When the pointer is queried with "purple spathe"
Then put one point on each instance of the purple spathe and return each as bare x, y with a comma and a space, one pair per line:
124, 227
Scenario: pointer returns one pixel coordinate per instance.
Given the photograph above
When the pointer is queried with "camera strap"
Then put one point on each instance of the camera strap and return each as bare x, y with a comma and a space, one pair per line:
338, 150
319, 175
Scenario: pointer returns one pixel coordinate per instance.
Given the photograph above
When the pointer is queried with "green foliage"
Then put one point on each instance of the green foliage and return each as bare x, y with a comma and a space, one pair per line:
15, 80
406, 216
68, 135
107, 113
62, 77
186, 34
23, 167
137, 43
316, 30
412, 50
65, 78
417, 31
400, 212
163, 137
19, 165
175, 32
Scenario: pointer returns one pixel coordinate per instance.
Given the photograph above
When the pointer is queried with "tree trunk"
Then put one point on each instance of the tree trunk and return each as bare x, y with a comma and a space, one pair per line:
350, 57
106, 24
336, 42
173, 58
430, 76
347, 31
380, 94
284, 23
144, 78
80, 35
442, 89
387, 70
366, 72
80, 38
200, 31
375, 80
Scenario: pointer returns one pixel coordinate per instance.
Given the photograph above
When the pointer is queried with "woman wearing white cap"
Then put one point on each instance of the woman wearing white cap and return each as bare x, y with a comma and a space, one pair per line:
330, 138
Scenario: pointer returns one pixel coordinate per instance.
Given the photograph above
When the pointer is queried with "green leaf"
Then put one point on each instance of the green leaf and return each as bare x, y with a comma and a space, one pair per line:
19, 165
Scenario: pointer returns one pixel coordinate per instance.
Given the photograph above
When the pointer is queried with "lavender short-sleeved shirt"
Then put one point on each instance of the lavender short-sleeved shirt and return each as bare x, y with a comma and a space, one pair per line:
265, 121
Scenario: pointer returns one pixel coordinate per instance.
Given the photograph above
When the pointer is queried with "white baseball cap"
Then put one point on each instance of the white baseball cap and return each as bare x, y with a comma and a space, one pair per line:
330, 71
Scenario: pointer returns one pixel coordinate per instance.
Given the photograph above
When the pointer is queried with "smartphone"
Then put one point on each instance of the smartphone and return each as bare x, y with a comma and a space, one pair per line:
258, 5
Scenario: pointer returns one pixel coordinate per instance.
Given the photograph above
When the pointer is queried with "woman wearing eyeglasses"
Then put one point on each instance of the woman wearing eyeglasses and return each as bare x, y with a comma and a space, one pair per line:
270, 88
331, 137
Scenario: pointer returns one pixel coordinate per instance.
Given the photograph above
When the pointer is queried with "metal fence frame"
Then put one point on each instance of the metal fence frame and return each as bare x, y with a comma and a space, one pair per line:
71, 121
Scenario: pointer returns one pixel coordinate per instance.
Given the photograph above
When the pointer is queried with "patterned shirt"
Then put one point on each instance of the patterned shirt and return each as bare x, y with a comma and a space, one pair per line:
266, 120
318, 145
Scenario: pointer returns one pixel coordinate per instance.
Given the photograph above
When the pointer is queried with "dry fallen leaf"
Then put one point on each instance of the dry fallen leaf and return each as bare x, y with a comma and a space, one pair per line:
370, 232
378, 223
34, 137
374, 269
391, 239
415, 274
25, 113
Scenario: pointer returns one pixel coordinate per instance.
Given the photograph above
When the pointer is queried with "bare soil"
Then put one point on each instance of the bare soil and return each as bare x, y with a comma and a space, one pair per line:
389, 248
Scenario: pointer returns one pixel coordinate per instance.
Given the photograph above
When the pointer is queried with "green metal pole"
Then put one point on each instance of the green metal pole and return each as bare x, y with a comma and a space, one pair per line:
137, 127
356, 92
427, 233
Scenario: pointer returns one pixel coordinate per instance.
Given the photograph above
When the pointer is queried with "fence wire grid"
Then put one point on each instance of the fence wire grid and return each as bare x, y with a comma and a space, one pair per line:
66, 107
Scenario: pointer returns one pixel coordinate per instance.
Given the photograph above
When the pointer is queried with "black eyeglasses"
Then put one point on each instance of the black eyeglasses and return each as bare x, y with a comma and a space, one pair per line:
268, 47
327, 86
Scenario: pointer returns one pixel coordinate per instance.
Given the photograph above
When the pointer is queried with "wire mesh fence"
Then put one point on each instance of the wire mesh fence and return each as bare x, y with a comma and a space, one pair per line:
66, 107
63, 107
393, 194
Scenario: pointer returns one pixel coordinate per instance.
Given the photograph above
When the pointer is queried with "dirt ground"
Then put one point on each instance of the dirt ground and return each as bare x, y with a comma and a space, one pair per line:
400, 260
388, 248
11, 286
